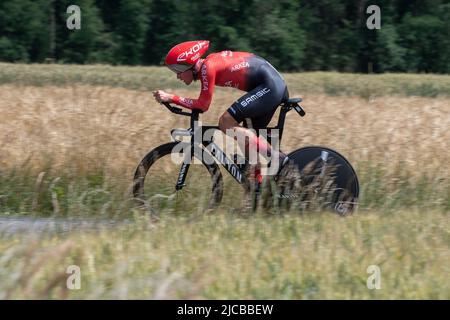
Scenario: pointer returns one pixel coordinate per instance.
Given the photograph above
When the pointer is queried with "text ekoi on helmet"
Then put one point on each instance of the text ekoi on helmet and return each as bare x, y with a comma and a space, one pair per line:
184, 55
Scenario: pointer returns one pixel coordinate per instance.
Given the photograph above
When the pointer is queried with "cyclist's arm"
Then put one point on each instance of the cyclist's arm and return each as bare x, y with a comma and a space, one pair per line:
207, 77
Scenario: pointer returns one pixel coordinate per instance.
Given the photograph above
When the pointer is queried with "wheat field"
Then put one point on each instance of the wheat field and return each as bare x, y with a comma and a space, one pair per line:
82, 124
71, 141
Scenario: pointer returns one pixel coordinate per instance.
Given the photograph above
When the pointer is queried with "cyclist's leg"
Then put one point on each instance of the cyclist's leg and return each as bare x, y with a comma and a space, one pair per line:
246, 141
259, 104
230, 126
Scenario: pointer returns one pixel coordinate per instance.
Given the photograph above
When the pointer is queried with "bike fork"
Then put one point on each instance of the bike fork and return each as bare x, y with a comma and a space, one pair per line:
183, 171
182, 176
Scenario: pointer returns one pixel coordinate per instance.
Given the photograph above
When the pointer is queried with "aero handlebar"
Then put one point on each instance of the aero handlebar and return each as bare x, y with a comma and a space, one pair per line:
179, 111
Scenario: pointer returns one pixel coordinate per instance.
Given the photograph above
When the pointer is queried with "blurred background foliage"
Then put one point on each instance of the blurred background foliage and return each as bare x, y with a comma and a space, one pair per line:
293, 35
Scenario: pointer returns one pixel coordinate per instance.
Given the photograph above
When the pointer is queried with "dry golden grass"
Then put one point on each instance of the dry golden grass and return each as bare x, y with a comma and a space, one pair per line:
85, 127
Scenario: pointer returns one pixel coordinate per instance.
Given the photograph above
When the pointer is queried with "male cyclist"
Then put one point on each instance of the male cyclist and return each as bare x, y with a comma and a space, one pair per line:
265, 89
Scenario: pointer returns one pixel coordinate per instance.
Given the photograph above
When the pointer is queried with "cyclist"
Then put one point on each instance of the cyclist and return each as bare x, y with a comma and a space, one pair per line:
265, 89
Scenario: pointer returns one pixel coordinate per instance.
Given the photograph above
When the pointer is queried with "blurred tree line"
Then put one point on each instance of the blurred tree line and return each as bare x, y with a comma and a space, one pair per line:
294, 35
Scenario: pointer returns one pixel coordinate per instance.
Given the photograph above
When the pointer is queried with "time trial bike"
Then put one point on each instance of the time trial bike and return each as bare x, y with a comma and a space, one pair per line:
313, 174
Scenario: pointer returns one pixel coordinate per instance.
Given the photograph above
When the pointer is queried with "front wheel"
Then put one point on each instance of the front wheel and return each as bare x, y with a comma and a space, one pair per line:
319, 177
157, 175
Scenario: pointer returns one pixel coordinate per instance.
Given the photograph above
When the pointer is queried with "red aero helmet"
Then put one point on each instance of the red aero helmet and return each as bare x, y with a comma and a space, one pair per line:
183, 56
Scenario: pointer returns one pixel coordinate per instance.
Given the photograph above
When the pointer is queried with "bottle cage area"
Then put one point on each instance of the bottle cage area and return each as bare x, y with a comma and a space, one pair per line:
286, 106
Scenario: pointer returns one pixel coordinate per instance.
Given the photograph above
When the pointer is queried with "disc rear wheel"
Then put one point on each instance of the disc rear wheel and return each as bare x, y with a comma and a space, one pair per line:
319, 178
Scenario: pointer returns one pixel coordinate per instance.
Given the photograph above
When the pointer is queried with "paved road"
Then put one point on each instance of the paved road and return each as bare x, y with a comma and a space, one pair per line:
13, 225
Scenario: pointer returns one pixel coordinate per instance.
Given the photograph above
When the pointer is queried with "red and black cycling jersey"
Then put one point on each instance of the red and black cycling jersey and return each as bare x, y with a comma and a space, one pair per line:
225, 69
265, 87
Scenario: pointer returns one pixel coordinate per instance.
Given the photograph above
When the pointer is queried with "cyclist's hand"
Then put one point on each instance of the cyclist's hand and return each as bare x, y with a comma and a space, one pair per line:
162, 96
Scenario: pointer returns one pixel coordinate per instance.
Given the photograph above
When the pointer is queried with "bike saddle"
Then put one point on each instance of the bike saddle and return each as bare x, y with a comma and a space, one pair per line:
293, 100
293, 103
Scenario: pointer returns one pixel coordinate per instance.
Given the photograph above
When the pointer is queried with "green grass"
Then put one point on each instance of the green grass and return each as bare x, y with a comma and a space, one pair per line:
150, 78
64, 194
97, 194
224, 256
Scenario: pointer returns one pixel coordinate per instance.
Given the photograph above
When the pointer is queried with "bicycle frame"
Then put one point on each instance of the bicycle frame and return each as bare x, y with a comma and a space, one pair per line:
214, 150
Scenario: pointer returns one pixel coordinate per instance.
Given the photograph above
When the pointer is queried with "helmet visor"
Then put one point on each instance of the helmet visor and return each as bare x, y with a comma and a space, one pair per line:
178, 68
